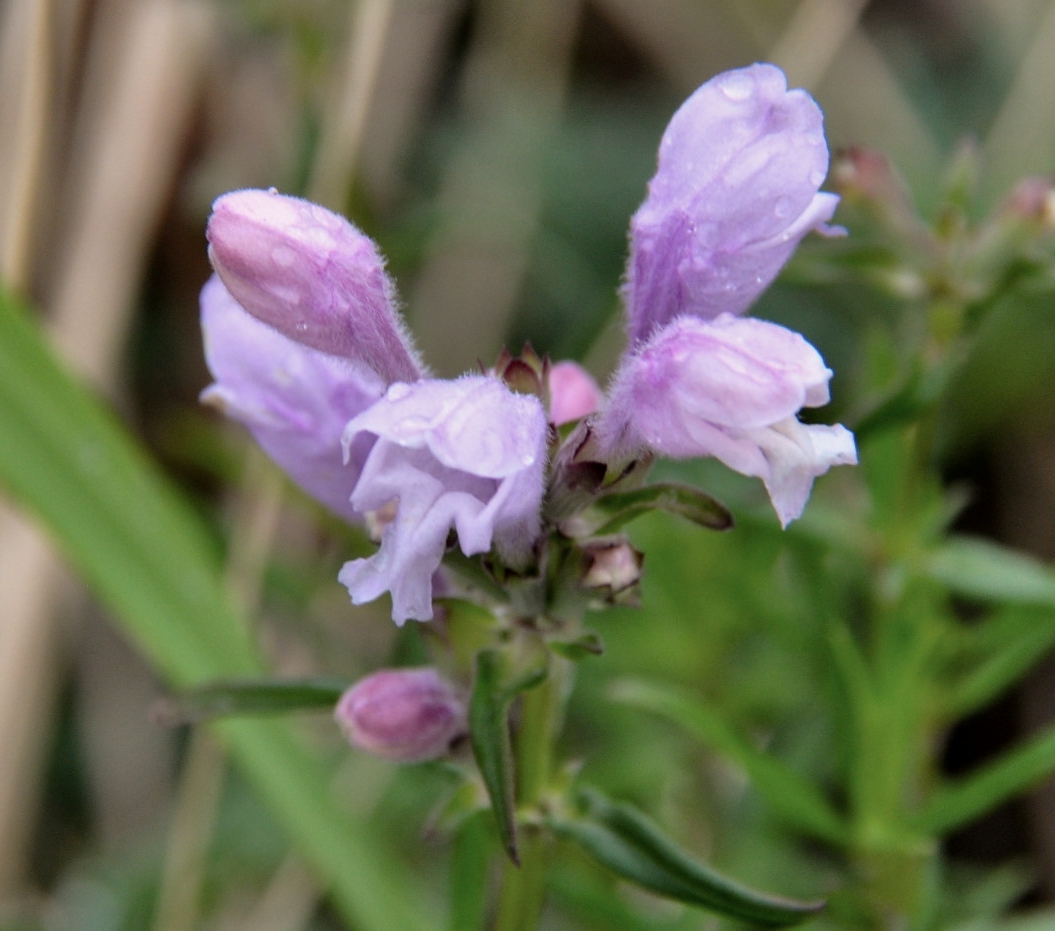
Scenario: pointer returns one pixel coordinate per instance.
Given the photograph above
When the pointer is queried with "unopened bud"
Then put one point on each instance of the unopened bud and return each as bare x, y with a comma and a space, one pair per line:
311, 275
406, 715
573, 394
611, 566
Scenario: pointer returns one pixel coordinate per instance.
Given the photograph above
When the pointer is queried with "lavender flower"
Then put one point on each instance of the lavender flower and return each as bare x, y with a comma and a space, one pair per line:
729, 388
466, 455
736, 189
405, 715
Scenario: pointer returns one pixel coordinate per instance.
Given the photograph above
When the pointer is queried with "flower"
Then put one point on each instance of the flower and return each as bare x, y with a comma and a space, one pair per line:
466, 455
294, 400
307, 349
729, 388
405, 715
736, 189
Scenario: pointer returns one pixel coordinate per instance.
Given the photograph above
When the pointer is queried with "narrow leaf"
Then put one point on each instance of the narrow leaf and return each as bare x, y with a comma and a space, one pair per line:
150, 560
790, 796
615, 509
494, 689
631, 845
962, 801
588, 644
998, 653
988, 571
248, 696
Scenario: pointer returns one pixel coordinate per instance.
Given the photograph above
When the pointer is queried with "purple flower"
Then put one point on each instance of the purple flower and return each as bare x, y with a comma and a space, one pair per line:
736, 189
294, 400
405, 715
728, 388
466, 455
313, 276
423, 458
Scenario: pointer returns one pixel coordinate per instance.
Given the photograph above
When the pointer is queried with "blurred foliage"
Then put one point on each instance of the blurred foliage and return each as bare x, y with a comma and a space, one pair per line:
740, 622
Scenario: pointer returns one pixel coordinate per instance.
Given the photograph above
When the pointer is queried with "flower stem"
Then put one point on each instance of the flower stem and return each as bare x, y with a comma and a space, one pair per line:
524, 887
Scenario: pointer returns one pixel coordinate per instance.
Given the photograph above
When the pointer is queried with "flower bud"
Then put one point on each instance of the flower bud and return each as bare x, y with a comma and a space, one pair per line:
573, 394
405, 715
612, 569
311, 275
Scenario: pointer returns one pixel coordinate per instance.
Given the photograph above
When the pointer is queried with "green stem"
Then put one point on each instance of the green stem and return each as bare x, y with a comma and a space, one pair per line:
524, 887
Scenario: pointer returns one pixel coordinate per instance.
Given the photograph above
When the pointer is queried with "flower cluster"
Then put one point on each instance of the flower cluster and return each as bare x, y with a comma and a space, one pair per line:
305, 343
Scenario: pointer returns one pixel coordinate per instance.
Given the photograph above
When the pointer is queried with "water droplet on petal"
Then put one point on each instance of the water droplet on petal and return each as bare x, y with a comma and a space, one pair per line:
782, 208
397, 391
816, 178
736, 86
272, 190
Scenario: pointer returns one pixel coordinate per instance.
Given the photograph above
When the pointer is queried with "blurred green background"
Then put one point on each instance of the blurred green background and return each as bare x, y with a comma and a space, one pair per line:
496, 150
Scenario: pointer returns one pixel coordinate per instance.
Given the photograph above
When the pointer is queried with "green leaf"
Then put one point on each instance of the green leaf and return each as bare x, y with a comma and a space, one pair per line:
998, 652
977, 568
587, 644
249, 696
790, 796
151, 561
611, 511
494, 688
632, 846
962, 801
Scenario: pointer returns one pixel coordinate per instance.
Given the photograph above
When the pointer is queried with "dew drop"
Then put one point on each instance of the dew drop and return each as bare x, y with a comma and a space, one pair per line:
301, 326
736, 86
397, 391
272, 190
816, 178
782, 208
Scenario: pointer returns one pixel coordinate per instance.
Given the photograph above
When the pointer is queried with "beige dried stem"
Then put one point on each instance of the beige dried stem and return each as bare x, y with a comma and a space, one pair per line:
1021, 140
120, 175
292, 895
341, 137
513, 91
862, 97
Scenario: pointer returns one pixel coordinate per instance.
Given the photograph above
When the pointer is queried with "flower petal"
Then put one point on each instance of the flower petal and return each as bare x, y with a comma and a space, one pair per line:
294, 400
735, 191
728, 388
466, 455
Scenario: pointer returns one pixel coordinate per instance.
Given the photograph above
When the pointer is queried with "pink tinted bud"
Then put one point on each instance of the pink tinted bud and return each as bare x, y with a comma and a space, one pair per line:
405, 715
311, 275
573, 394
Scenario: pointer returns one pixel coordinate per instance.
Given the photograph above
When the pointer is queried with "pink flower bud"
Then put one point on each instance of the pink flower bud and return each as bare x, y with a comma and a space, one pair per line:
406, 715
313, 276
573, 393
